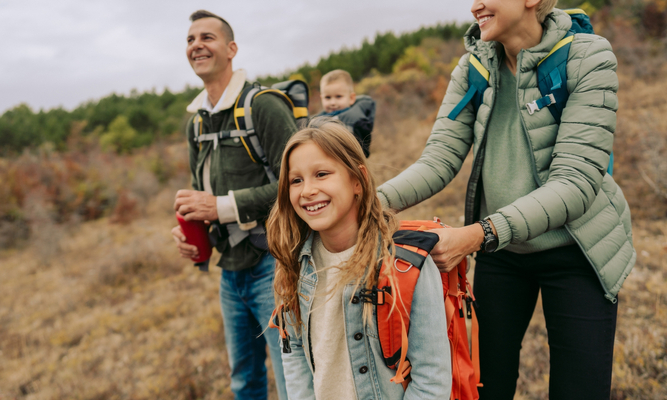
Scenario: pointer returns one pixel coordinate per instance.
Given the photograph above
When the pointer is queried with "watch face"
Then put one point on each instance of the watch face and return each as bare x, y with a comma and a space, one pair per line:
490, 243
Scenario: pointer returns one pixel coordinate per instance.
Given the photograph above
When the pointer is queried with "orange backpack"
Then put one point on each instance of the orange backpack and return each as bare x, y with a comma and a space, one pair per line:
412, 247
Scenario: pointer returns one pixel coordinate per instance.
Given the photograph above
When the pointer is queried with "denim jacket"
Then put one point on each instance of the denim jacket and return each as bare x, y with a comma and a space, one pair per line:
428, 348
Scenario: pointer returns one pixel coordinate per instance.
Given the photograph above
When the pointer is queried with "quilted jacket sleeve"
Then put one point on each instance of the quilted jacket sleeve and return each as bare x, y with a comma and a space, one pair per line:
445, 150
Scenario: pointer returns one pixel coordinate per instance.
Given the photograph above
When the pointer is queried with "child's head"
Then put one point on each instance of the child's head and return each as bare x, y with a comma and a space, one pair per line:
324, 180
325, 186
337, 91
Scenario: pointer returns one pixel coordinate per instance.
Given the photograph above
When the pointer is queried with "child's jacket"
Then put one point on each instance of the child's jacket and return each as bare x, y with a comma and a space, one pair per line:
359, 119
429, 349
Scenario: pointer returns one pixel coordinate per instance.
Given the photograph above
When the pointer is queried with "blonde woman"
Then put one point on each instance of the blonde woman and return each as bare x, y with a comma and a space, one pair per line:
541, 212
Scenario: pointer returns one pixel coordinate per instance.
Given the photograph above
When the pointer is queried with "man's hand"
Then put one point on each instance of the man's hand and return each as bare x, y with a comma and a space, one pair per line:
186, 250
196, 205
455, 244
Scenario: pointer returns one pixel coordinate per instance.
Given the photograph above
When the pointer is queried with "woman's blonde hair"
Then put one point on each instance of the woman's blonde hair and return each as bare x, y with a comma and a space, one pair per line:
544, 8
286, 232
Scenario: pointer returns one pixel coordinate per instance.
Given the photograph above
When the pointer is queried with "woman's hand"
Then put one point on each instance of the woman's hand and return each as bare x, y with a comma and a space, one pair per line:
455, 244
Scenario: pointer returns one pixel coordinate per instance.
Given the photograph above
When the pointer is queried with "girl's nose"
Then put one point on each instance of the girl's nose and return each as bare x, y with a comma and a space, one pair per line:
309, 190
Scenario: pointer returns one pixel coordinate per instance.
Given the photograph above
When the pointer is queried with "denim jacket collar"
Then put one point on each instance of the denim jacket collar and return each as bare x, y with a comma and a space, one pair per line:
307, 249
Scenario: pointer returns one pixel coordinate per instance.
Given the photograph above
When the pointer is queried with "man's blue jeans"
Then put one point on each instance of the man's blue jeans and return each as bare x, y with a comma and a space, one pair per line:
246, 299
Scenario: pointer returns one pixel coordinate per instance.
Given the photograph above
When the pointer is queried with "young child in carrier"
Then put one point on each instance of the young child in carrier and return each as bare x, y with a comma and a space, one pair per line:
328, 233
341, 102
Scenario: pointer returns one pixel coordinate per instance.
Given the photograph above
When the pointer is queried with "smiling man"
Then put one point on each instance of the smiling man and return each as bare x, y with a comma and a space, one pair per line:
235, 194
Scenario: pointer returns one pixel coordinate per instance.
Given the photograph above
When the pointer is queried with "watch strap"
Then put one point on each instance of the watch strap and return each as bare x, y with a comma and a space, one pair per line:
488, 235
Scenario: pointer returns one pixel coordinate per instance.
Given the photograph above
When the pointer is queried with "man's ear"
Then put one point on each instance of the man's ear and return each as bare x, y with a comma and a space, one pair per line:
233, 49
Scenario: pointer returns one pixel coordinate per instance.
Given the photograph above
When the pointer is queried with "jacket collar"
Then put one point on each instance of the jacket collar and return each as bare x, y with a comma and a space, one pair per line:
306, 250
556, 25
234, 88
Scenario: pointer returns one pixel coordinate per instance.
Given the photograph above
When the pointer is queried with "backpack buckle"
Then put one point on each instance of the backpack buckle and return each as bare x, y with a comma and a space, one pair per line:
374, 296
537, 105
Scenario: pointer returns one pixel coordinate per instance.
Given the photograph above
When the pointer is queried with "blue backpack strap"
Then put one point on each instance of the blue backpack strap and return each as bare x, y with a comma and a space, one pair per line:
552, 72
478, 81
552, 79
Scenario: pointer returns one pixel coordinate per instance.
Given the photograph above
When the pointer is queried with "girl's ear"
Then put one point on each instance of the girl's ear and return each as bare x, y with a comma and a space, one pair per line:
358, 187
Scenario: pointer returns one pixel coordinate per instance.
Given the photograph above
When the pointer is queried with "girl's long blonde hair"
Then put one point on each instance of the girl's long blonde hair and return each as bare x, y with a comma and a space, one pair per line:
286, 232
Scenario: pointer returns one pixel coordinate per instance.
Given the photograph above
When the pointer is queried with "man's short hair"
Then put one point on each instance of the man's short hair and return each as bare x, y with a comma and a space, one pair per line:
338, 74
226, 28
544, 8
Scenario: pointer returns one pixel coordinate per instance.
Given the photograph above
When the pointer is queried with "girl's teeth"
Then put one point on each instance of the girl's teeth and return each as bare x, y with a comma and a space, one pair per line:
315, 207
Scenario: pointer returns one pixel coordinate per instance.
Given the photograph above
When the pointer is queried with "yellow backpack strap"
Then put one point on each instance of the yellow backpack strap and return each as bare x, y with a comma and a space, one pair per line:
243, 121
574, 11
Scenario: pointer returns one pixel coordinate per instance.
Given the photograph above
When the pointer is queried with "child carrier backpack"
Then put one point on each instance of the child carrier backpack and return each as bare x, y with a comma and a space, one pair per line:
294, 94
551, 77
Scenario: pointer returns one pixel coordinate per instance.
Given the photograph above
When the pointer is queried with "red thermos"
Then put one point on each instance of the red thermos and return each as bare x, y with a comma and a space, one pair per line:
196, 233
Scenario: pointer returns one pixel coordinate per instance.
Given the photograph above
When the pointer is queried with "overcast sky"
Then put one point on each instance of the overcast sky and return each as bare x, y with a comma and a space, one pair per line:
65, 52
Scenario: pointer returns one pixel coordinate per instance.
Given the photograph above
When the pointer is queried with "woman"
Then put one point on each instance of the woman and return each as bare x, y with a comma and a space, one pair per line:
552, 221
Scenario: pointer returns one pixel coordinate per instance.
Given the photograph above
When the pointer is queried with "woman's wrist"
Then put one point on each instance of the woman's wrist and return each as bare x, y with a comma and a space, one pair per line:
476, 237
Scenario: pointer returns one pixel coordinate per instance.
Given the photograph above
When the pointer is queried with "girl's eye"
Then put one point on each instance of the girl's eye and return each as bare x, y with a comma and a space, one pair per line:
322, 174
295, 181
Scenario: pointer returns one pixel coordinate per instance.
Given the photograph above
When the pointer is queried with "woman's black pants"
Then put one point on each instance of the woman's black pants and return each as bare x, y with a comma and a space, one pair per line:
580, 321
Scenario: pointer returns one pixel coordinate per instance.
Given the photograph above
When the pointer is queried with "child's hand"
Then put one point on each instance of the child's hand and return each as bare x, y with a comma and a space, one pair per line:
455, 244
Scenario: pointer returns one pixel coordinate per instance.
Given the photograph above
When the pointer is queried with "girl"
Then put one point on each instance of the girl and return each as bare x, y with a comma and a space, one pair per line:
328, 232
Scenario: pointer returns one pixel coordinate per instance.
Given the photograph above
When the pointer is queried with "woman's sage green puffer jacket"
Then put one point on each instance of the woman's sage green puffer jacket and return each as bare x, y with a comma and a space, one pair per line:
570, 159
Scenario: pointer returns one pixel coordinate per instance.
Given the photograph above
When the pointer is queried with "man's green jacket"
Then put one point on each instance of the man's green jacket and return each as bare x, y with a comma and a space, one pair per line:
232, 169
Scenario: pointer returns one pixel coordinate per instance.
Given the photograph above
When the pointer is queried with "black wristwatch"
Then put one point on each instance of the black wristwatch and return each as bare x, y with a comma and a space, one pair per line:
490, 243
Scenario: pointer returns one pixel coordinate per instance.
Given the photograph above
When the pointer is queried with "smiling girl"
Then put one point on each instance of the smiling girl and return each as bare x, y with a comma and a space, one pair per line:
328, 232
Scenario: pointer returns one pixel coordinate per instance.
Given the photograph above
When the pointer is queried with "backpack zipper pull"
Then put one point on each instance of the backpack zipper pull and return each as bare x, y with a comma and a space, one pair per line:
286, 347
468, 307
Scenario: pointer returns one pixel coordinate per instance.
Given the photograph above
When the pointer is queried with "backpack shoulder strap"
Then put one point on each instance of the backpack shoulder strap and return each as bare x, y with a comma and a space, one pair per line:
552, 73
552, 69
243, 121
552, 79
393, 296
478, 81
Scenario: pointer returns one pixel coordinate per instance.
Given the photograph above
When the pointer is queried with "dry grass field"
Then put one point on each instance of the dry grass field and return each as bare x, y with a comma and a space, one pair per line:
105, 309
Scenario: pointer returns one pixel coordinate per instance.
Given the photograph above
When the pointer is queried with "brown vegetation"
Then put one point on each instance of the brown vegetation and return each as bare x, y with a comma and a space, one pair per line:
103, 308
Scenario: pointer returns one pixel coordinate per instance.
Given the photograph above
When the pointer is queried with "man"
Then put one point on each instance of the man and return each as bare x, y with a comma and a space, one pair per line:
235, 195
